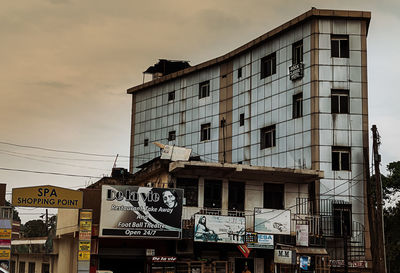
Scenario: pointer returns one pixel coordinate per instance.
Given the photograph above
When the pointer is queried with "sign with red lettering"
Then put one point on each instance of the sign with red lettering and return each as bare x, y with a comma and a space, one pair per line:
163, 259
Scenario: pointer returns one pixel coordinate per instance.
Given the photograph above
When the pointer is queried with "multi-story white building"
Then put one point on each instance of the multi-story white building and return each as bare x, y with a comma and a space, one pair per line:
295, 97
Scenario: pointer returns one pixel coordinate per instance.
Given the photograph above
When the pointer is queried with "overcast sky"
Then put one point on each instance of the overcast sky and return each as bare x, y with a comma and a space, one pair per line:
66, 65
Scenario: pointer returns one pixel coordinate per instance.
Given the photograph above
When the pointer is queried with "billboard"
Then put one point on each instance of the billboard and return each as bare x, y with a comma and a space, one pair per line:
272, 221
137, 212
265, 241
220, 229
47, 197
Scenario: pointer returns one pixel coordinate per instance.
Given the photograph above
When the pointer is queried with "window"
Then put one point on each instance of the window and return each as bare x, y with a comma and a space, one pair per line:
21, 268
340, 158
241, 119
204, 89
239, 72
190, 188
268, 137
297, 52
205, 132
298, 105
340, 101
146, 142
171, 95
342, 219
236, 196
171, 135
31, 268
212, 193
268, 65
340, 46
45, 268
12, 267
273, 196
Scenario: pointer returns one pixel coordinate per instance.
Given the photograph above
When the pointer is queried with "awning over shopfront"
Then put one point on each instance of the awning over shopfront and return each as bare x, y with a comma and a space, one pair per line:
311, 250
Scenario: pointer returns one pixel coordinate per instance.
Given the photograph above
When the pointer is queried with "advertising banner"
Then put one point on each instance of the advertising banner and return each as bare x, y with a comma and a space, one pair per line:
47, 197
265, 241
137, 212
272, 221
302, 235
5, 234
282, 256
220, 229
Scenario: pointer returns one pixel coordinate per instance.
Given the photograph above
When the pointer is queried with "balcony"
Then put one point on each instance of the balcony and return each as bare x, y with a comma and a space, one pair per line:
296, 71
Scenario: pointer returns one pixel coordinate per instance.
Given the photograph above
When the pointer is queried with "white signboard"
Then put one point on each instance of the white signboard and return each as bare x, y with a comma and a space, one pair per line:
272, 221
302, 235
282, 256
265, 241
220, 229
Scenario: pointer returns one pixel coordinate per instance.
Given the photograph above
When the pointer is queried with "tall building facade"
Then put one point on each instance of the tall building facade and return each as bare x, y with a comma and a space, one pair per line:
295, 97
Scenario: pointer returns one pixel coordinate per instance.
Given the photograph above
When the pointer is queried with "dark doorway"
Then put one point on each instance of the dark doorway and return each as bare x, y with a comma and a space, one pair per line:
122, 265
240, 264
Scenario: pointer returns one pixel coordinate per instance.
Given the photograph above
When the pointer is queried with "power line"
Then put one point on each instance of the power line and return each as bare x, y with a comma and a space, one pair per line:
50, 173
58, 151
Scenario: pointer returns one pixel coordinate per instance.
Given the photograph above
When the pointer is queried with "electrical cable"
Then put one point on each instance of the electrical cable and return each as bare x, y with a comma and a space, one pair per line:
50, 173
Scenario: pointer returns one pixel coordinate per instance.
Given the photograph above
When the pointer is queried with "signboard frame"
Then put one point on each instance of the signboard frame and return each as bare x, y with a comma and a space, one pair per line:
272, 221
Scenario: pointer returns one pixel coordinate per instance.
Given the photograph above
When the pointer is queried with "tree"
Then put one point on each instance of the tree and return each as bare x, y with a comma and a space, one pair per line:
15, 212
34, 228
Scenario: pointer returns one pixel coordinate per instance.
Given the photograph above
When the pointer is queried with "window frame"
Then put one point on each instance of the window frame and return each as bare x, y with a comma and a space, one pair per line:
213, 199
297, 105
342, 216
204, 89
205, 132
273, 196
241, 119
171, 95
236, 197
268, 65
269, 130
340, 46
172, 135
297, 52
339, 154
190, 188
339, 97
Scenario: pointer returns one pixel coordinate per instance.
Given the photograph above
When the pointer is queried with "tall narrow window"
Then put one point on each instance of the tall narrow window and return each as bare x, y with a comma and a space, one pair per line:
21, 267
205, 132
212, 193
298, 105
190, 188
239, 72
204, 89
273, 196
268, 65
171, 95
171, 135
340, 101
342, 219
146, 142
236, 196
241, 119
340, 46
341, 158
268, 137
31, 268
45, 268
297, 52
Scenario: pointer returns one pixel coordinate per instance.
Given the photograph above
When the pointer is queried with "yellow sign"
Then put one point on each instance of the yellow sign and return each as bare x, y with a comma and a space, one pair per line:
85, 225
86, 215
84, 256
47, 196
84, 246
5, 234
5, 254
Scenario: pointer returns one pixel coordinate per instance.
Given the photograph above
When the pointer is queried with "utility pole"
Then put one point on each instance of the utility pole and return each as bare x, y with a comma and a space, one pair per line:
380, 233
47, 222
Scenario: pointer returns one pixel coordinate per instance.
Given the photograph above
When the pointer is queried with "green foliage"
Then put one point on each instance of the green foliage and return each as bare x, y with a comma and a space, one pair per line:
34, 228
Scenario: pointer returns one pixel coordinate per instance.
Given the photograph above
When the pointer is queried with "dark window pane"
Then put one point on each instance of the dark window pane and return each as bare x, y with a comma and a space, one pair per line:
239, 72
236, 196
204, 89
344, 104
171, 95
205, 132
212, 193
273, 196
146, 142
335, 104
190, 187
335, 48
342, 219
171, 136
345, 160
344, 48
335, 161
241, 120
